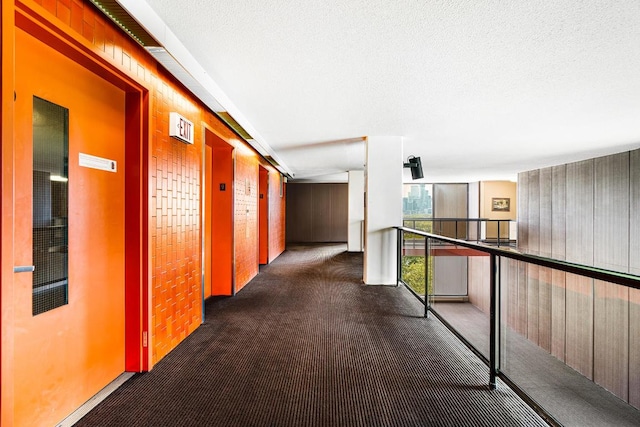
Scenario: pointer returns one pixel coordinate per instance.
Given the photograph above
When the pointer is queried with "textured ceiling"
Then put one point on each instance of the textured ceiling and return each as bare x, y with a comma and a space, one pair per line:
478, 89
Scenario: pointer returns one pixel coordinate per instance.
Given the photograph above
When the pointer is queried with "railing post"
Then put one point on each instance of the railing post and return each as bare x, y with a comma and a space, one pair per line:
426, 277
499, 232
494, 322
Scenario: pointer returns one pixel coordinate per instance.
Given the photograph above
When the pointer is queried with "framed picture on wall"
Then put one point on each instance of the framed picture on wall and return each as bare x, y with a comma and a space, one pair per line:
500, 204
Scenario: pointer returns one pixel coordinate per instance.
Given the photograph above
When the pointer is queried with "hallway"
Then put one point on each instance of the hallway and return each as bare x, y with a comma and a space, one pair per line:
306, 344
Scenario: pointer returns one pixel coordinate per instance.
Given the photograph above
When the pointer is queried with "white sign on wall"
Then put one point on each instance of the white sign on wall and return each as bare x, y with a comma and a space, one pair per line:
180, 128
100, 163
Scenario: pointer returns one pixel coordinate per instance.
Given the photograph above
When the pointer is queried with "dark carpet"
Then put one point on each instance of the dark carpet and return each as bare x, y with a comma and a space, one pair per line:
307, 344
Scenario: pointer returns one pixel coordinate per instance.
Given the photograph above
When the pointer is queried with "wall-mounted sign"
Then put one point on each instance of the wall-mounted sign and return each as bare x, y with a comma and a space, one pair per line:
180, 128
100, 163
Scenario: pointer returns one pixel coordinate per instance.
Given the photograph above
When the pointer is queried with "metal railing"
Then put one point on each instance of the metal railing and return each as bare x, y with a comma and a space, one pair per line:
480, 230
501, 333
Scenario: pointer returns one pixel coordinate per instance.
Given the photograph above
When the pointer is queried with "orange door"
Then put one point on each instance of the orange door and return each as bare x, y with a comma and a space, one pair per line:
219, 218
208, 205
72, 344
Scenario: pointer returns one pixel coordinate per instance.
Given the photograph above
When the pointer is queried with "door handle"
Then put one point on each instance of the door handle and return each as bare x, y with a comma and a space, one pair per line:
24, 268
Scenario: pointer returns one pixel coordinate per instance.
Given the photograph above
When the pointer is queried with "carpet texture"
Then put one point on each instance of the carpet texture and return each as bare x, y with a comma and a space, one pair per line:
307, 344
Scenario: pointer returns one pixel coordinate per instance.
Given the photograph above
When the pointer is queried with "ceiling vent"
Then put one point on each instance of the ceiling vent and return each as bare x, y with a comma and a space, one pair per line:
272, 161
231, 122
121, 17
117, 14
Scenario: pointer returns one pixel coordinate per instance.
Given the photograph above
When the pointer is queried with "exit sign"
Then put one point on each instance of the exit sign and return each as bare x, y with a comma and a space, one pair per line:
180, 128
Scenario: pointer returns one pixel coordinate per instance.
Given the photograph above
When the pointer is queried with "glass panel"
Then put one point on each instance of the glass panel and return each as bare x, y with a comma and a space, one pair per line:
413, 262
449, 268
50, 205
564, 335
561, 335
461, 291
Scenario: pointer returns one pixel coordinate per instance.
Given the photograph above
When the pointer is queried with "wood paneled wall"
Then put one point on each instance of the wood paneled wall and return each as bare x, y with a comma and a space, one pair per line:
479, 280
579, 248
317, 212
611, 251
634, 268
450, 273
478, 267
585, 212
450, 200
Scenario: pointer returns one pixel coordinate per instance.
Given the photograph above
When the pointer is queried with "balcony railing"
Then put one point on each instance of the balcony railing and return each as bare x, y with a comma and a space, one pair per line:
499, 232
557, 332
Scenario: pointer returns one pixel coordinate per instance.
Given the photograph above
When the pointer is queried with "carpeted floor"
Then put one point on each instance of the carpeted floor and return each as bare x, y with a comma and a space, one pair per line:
307, 344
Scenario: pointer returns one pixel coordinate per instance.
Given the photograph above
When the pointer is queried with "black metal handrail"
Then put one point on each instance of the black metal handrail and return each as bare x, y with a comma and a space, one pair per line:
496, 254
619, 278
467, 223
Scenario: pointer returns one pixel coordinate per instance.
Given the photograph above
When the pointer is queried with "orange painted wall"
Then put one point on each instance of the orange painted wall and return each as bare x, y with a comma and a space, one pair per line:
175, 167
263, 214
277, 198
245, 233
222, 220
246, 217
6, 220
208, 205
87, 360
175, 173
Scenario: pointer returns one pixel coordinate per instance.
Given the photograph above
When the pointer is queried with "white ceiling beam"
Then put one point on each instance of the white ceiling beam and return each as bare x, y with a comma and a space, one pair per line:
181, 63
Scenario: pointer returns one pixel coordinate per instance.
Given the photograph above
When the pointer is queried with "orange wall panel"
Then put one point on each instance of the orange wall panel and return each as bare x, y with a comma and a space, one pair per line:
208, 181
7, 380
246, 217
96, 232
174, 177
222, 220
263, 214
175, 167
277, 197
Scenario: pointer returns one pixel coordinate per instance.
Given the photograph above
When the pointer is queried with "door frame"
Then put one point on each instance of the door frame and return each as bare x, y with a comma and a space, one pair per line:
31, 19
207, 193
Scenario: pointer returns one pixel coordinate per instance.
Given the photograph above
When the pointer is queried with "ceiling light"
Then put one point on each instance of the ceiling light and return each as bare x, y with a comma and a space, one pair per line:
416, 167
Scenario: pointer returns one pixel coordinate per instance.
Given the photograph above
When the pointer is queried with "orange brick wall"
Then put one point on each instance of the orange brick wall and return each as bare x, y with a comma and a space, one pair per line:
175, 167
246, 217
174, 181
174, 178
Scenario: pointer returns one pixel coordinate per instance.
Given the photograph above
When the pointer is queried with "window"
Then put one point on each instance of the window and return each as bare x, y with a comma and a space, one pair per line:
417, 201
50, 205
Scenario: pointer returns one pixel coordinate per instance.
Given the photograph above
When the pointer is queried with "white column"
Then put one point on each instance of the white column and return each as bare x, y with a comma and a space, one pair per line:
355, 236
383, 187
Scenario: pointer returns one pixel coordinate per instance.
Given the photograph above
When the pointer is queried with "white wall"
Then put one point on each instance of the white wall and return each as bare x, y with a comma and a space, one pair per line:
355, 241
383, 186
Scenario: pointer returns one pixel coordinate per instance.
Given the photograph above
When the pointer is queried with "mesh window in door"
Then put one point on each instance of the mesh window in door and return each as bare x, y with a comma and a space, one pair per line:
50, 205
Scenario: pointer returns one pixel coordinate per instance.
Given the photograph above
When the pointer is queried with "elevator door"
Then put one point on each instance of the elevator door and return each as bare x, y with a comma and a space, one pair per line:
69, 224
218, 230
